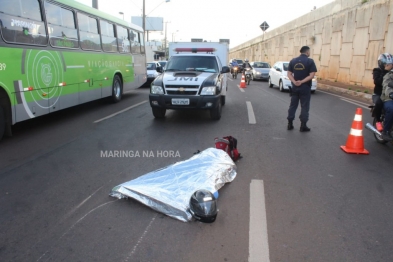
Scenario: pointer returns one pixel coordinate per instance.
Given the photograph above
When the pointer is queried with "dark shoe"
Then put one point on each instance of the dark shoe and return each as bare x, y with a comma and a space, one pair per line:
387, 136
304, 128
290, 125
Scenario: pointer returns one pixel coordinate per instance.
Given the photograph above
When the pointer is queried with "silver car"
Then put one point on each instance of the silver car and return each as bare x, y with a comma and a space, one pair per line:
260, 70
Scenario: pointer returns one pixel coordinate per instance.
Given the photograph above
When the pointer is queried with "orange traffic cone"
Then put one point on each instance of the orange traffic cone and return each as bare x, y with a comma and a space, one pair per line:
355, 141
243, 82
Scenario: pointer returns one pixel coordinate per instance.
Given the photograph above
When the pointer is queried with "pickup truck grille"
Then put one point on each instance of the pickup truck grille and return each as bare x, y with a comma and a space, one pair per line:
175, 89
183, 86
169, 92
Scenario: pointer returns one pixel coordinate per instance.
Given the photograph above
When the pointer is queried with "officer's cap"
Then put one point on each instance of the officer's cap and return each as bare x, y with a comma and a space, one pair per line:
304, 49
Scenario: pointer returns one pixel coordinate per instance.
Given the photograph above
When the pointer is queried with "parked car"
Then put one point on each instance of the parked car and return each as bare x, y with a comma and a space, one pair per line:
154, 69
278, 77
162, 64
260, 70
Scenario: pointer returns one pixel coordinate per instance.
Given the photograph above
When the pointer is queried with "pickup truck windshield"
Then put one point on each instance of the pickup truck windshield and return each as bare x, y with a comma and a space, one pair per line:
193, 63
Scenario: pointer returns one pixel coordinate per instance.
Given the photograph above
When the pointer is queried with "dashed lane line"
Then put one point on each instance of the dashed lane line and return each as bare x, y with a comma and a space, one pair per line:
121, 111
241, 89
251, 116
258, 238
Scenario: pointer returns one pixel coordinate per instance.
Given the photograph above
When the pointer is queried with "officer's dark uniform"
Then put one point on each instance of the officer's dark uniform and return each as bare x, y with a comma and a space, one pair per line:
301, 67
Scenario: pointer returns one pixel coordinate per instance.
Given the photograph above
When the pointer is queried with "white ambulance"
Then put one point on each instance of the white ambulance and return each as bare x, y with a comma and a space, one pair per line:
195, 77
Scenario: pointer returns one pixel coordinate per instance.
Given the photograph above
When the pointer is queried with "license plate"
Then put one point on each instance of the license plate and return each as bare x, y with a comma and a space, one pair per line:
180, 101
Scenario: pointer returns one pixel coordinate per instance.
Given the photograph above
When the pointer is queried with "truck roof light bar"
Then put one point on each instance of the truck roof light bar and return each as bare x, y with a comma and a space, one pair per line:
195, 50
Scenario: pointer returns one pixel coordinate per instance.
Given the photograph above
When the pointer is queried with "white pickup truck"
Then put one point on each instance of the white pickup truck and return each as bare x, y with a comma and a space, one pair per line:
194, 78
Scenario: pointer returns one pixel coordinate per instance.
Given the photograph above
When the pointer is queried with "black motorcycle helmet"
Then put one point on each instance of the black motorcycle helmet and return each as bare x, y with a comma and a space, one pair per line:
384, 59
203, 206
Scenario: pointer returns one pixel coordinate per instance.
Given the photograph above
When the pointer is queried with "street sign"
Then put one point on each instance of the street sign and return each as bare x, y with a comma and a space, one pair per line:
264, 26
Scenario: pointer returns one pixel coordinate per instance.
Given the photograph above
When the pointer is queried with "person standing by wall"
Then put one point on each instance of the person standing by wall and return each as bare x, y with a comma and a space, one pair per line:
301, 71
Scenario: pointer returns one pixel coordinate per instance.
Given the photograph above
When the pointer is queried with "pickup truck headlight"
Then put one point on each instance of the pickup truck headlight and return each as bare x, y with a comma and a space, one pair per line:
157, 90
208, 91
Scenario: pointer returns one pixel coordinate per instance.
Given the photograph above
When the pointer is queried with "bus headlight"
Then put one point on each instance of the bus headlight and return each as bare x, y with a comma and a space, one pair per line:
157, 90
208, 91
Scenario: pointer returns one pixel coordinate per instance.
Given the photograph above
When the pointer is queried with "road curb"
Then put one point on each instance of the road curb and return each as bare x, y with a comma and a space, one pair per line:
344, 91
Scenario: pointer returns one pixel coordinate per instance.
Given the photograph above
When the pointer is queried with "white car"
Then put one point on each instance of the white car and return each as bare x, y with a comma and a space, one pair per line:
154, 69
278, 77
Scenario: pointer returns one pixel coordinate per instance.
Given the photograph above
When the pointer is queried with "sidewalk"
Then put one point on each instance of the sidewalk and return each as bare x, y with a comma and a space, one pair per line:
361, 92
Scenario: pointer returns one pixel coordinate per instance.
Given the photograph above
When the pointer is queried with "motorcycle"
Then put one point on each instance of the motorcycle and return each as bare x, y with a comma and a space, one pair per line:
373, 127
234, 72
247, 74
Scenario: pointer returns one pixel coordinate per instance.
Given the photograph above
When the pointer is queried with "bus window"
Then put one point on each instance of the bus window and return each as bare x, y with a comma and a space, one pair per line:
135, 48
21, 22
122, 40
88, 33
142, 43
109, 43
61, 26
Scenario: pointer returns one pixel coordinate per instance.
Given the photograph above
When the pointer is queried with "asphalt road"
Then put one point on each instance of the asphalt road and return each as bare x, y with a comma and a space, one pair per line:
300, 191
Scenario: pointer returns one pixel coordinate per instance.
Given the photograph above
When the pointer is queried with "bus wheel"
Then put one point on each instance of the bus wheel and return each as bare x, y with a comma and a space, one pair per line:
117, 89
2, 121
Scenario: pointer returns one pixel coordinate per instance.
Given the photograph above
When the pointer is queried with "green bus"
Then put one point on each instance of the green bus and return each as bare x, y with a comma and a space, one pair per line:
55, 54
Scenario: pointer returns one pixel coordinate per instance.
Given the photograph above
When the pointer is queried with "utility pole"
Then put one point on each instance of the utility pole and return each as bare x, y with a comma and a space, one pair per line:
143, 20
166, 24
94, 4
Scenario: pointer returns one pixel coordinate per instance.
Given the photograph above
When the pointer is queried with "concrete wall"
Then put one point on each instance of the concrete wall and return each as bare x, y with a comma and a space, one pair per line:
345, 37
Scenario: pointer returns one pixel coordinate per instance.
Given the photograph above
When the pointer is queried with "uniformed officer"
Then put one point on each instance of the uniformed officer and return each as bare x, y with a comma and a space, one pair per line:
301, 71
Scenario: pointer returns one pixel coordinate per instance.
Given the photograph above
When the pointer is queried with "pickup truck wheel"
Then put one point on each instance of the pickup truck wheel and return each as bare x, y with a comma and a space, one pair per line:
270, 83
158, 112
2, 121
215, 113
223, 100
117, 89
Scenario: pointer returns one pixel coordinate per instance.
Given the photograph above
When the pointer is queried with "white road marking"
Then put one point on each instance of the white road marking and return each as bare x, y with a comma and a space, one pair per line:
258, 240
121, 111
355, 102
79, 220
141, 238
251, 116
80, 204
241, 89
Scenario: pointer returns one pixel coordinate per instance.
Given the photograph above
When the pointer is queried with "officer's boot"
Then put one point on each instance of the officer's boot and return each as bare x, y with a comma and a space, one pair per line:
304, 127
290, 125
